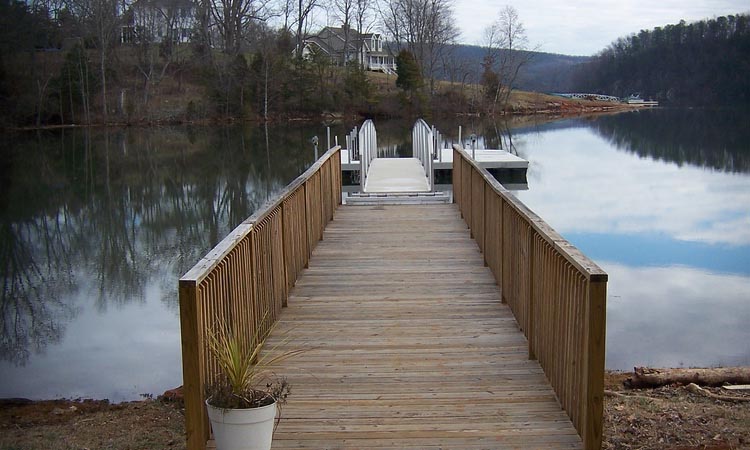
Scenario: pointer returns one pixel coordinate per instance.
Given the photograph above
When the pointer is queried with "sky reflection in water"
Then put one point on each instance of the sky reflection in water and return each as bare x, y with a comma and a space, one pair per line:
675, 240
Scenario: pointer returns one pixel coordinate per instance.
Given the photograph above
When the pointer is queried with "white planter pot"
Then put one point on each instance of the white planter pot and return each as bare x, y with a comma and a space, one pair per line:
242, 429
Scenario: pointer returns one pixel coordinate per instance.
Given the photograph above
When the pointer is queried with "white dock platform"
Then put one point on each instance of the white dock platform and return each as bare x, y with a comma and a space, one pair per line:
488, 159
396, 175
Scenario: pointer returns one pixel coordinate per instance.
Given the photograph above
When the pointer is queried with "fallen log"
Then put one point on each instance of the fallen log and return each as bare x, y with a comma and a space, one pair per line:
645, 377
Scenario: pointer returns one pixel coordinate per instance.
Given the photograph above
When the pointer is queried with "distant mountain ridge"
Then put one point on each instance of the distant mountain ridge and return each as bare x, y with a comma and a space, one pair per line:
545, 72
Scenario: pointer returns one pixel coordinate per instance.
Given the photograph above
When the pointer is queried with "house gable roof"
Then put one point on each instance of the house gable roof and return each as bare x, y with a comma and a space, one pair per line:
332, 40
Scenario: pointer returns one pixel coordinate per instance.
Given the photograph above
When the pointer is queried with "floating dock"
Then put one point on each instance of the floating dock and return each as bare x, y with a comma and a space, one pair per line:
487, 159
396, 175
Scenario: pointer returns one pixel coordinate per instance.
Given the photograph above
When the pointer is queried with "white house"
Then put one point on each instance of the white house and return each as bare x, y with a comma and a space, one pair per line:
345, 44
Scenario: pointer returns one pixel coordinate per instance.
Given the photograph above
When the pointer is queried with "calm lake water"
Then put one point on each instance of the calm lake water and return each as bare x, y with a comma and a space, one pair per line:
97, 228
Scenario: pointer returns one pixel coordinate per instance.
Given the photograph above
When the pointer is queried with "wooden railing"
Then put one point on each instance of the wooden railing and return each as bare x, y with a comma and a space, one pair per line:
557, 294
245, 280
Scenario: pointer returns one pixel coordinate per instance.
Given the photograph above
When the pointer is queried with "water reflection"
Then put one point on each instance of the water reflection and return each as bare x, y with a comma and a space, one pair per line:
580, 183
676, 317
702, 138
667, 214
96, 227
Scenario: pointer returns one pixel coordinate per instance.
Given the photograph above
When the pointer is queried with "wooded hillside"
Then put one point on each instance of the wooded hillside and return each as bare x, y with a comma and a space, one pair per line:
544, 72
701, 63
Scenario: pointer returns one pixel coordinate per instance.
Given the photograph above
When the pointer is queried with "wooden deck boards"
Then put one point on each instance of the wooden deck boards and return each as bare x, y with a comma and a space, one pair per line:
409, 345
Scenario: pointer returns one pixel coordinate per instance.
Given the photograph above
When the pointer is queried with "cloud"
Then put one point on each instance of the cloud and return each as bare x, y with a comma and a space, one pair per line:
586, 27
676, 316
580, 184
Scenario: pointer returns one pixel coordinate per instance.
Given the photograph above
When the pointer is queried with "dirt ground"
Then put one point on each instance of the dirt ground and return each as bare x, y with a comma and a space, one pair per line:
664, 418
91, 424
673, 418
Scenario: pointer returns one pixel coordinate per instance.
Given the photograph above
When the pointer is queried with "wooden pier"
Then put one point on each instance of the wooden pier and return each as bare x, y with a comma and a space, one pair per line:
467, 325
408, 343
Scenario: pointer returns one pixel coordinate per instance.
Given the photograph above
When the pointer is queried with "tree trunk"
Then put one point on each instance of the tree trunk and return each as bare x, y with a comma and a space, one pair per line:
299, 30
41, 91
265, 89
103, 69
644, 377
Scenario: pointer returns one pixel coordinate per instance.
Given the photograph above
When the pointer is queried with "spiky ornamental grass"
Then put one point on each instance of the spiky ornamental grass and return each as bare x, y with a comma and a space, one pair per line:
246, 378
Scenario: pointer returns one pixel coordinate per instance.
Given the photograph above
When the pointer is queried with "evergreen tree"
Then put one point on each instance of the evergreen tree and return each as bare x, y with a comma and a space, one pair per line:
409, 79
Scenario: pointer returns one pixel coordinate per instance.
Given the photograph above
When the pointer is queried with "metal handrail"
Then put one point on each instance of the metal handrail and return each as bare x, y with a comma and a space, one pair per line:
423, 147
367, 144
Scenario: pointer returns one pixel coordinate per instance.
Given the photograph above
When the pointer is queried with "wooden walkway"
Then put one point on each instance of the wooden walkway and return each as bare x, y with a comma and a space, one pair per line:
409, 345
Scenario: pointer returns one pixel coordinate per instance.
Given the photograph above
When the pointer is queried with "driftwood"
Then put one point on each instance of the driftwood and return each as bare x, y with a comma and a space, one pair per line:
644, 377
695, 389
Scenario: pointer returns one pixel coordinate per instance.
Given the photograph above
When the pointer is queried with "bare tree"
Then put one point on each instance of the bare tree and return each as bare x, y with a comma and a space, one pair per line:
233, 17
101, 20
364, 20
344, 10
424, 27
507, 52
287, 10
158, 27
363, 15
304, 9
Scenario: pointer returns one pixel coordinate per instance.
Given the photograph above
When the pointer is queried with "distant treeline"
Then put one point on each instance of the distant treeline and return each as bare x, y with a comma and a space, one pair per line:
544, 72
701, 63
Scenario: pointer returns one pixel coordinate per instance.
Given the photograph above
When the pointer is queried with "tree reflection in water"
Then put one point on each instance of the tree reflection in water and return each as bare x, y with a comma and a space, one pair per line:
98, 215
699, 137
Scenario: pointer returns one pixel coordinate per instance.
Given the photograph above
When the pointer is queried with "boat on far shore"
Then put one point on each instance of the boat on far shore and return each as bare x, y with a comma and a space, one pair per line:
638, 101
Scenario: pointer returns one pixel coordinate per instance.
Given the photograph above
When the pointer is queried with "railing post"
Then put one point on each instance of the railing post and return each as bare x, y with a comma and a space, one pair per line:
456, 179
504, 285
470, 202
484, 223
284, 301
530, 311
308, 225
355, 137
196, 418
593, 401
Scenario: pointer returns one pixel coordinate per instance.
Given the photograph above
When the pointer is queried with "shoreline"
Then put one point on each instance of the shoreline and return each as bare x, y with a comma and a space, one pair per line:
614, 380
667, 417
562, 109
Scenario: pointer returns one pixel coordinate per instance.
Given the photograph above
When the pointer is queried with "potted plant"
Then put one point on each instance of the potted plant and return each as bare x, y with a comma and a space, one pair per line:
243, 401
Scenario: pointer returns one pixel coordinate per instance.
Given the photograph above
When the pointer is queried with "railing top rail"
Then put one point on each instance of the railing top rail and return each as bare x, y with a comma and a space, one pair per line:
584, 264
421, 122
203, 267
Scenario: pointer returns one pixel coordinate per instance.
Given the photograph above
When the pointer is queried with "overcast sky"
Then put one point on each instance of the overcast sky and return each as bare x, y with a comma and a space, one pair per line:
583, 27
